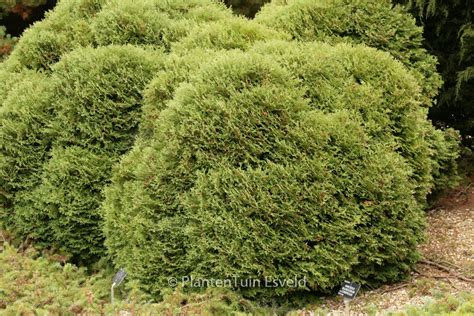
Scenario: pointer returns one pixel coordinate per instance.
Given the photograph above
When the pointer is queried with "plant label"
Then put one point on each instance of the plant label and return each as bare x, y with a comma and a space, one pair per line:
119, 276
349, 290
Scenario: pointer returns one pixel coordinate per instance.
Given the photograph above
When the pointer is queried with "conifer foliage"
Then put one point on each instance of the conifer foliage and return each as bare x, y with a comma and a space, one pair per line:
181, 140
252, 173
70, 110
371, 22
449, 35
82, 118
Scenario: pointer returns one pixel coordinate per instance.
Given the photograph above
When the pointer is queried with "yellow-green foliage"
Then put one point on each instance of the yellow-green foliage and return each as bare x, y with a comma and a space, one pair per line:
396, 117
79, 23
153, 22
250, 173
62, 133
374, 23
461, 304
24, 137
177, 68
31, 284
65, 106
235, 33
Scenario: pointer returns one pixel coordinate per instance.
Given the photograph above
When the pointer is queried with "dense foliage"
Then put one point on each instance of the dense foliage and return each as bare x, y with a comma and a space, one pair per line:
34, 285
449, 35
83, 117
246, 161
78, 23
371, 22
56, 163
236, 33
197, 143
31, 284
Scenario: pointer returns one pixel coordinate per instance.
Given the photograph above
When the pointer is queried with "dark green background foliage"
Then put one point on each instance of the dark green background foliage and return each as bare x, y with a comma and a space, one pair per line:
251, 173
449, 35
18, 11
246, 7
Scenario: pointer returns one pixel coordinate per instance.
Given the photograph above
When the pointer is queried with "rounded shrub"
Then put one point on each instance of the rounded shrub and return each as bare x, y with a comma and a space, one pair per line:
375, 23
246, 178
94, 112
235, 33
153, 22
24, 137
63, 29
384, 95
98, 103
80, 23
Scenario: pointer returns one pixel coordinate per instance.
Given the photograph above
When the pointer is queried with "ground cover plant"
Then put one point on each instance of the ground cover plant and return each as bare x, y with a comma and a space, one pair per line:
42, 284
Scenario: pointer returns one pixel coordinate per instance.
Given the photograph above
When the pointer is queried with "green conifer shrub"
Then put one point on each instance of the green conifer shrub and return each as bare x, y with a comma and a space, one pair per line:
396, 116
236, 33
95, 105
153, 22
246, 176
90, 119
78, 23
375, 23
24, 137
289, 160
